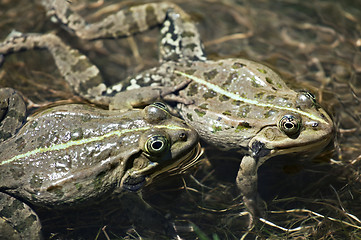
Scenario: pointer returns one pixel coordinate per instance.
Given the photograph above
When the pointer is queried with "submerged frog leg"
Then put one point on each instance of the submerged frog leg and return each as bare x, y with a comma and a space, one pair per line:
12, 112
18, 220
247, 183
78, 71
123, 23
180, 37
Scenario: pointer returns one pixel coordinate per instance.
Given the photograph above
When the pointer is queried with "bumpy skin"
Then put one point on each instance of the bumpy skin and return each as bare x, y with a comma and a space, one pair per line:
18, 220
233, 103
12, 112
73, 155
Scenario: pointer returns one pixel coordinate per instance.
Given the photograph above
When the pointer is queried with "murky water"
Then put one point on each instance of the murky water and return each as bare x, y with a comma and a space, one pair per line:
312, 44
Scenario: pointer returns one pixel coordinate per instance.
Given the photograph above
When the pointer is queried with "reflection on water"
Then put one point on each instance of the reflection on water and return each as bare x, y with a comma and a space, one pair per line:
313, 44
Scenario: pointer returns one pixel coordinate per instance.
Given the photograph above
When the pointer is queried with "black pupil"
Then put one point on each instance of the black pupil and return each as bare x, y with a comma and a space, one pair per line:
288, 125
157, 145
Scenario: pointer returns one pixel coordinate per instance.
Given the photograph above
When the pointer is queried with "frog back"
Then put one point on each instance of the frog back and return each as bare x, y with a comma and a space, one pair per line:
66, 150
233, 99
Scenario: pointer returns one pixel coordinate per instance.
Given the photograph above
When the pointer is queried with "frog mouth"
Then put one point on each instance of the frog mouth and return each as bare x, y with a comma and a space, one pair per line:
181, 165
135, 181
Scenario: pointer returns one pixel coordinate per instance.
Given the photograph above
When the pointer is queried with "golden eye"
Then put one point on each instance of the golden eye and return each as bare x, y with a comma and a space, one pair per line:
160, 105
290, 125
156, 145
156, 112
305, 99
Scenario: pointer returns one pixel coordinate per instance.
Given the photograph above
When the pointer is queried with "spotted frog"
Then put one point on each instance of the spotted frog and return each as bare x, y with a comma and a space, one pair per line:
72, 155
234, 104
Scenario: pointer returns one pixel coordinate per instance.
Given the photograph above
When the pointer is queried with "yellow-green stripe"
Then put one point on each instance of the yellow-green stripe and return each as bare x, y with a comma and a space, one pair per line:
246, 100
66, 145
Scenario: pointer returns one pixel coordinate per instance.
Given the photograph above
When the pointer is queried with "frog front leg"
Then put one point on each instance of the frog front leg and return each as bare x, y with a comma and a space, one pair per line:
247, 183
17, 220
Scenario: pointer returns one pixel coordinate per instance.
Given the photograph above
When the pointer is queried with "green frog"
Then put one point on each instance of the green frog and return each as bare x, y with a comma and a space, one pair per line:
234, 104
73, 155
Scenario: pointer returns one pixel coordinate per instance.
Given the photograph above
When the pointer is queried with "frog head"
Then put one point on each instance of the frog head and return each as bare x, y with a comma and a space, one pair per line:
169, 147
307, 130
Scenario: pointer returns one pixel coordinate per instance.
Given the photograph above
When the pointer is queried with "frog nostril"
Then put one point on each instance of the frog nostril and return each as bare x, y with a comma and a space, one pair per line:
315, 124
183, 136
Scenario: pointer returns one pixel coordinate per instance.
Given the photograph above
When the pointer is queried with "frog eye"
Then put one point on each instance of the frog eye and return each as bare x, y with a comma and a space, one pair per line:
156, 144
160, 105
156, 112
305, 99
290, 125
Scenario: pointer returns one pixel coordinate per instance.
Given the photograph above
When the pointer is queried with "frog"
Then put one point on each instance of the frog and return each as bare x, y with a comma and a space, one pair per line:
234, 104
75, 155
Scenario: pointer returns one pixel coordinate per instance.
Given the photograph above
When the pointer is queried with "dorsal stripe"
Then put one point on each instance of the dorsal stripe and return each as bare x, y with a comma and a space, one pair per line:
72, 143
246, 100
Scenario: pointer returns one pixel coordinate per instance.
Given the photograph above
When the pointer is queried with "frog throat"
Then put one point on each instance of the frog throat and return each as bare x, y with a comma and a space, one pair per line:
61, 146
246, 100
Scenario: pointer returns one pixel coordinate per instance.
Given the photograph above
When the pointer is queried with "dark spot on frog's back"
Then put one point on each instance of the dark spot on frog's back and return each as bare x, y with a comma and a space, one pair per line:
190, 117
199, 112
211, 74
227, 113
223, 98
259, 95
261, 70
242, 126
237, 65
36, 181
236, 102
203, 106
269, 80
193, 89
20, 144
270, 98
233, 76
209, 94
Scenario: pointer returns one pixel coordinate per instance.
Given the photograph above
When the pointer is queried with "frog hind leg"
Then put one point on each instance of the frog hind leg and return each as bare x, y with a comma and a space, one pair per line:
180, 40
12, 112
247, 183
78, 71
17, 220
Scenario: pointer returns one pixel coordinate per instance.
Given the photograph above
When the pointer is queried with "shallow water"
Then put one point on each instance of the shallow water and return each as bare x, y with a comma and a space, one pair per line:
312, 44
